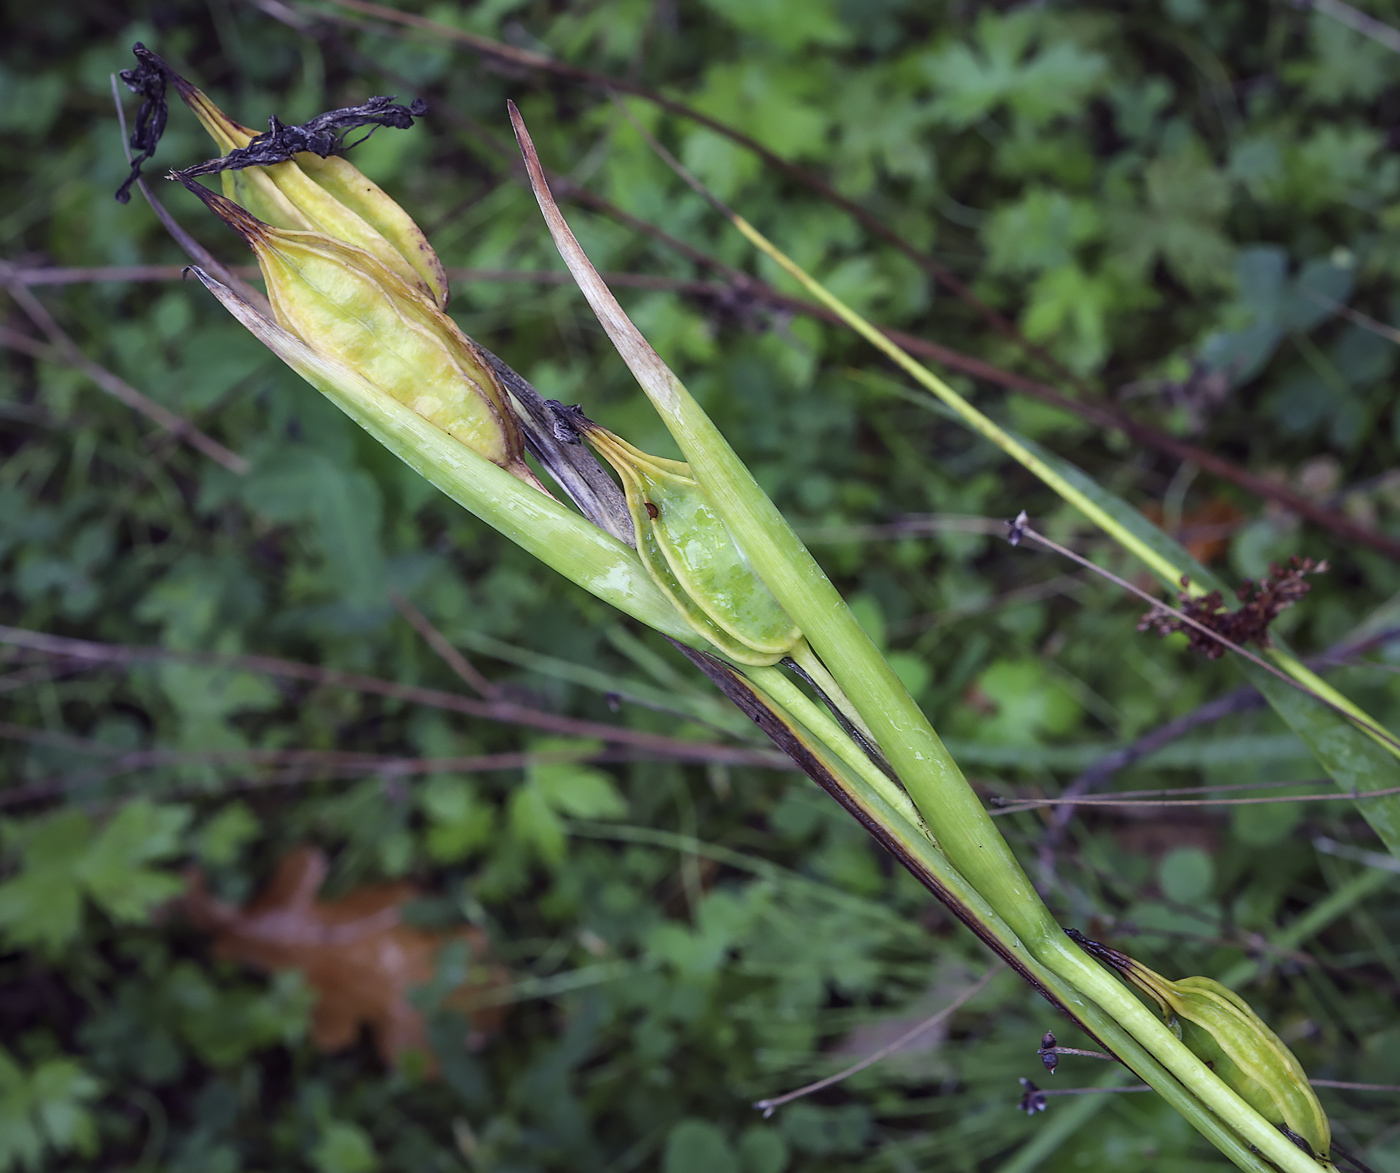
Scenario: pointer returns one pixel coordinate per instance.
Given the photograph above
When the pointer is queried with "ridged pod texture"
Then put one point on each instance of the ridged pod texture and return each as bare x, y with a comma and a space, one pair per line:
1223, 1031
330, 196
692, 556
344, 303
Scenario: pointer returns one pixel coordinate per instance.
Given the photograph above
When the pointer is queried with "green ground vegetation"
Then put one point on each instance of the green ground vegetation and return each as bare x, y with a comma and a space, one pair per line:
1190, 210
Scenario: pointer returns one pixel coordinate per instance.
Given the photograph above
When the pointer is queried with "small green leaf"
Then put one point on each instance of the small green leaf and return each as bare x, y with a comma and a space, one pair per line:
44, 1109
532, 820
1187, 875
697, 1146
42, 906
344, 1148
220, 840
60, 1087
580, 791
458, 821
114, 870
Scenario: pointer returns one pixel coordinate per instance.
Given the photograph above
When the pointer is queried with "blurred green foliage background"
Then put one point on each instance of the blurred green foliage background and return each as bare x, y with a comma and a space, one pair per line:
1193, 207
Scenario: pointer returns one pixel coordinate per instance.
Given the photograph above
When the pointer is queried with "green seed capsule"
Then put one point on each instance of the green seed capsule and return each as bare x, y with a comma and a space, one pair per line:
693, 557
331, 196
342, 302
1221, 1029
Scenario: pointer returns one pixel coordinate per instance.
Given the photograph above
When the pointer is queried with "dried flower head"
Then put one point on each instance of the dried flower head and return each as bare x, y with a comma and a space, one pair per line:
1261, 603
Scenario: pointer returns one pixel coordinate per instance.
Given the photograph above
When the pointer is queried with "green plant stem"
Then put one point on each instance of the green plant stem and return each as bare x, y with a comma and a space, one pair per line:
975, 859
930, 865
787, 696
809, 662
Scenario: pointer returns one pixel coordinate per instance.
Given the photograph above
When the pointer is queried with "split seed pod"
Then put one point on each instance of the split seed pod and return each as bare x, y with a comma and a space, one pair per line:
344, 303
692, 556
331, 196
1221, 1029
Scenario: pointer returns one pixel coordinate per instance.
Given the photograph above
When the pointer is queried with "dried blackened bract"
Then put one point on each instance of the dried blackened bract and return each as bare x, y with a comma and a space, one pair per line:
147, 79
322, 136
1262, 602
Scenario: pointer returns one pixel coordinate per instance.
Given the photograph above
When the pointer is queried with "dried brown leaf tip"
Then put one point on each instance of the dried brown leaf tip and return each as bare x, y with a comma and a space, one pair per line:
1261, 603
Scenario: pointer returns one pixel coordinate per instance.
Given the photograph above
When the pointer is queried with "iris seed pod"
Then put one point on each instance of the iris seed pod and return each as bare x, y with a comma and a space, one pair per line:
343, 302
1221, 1029
694, 558
330, 196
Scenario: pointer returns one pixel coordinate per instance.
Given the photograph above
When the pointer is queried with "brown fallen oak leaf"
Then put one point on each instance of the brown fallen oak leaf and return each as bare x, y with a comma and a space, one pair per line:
356, 953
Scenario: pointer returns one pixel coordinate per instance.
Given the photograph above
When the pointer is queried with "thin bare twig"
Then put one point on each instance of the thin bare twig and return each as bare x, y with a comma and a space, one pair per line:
1372, 859
295, 767
440, 644
1010, 806
1361, 22
1381, 735
504, 711
769, 1106
63, 351
1238, 700
1365, 321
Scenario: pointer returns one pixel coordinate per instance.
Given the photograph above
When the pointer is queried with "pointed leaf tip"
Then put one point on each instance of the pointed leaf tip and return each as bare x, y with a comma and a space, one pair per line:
656, 378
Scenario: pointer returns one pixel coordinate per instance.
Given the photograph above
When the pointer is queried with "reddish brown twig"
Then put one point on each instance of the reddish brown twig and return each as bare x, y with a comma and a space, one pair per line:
508, 712
63, 351
759, 295
440, 644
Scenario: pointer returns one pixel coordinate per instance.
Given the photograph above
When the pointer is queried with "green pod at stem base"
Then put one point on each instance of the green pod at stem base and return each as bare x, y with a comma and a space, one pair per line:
1221, 1029
693, 557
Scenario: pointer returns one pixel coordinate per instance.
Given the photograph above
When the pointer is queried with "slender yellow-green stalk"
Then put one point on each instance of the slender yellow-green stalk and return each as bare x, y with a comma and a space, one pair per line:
1171, 574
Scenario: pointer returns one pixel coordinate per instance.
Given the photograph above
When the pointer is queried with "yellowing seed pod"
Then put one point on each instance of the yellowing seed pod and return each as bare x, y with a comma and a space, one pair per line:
692, 556
1222, 1030
344, 303
331, 196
